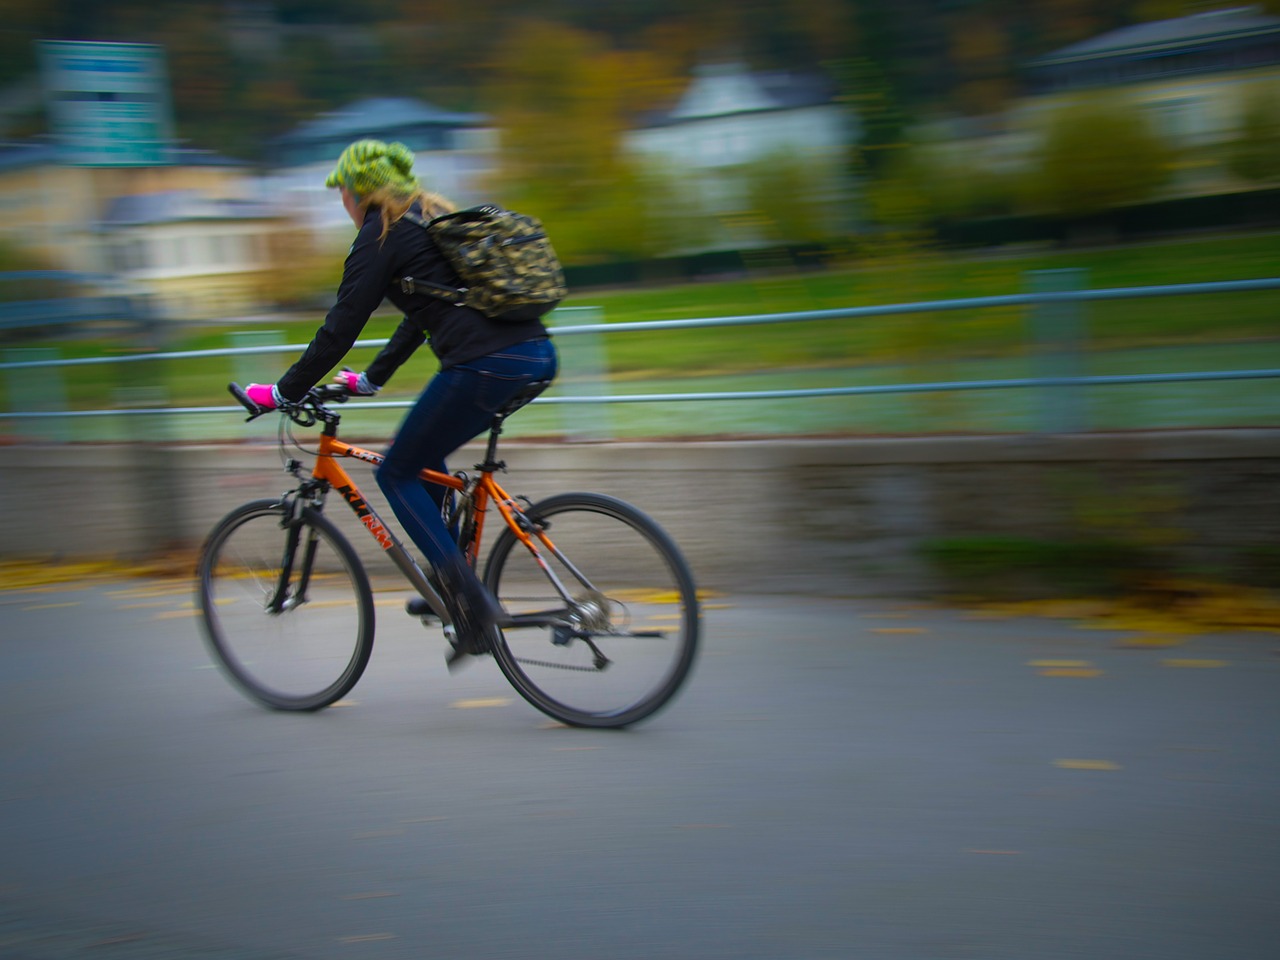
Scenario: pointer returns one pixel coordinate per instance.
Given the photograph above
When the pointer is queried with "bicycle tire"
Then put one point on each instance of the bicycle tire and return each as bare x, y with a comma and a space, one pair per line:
309, 655
643, 609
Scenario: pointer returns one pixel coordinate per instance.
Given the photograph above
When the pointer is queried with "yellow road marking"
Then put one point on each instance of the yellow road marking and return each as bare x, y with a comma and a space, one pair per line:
481, 703
1071, 672
899, 630
143, 593
174, 614
52, 606
1086, 765
1058, 663
645, 595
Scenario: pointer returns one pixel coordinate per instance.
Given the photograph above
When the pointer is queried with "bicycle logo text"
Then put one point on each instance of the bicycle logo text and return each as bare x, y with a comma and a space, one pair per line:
367, 517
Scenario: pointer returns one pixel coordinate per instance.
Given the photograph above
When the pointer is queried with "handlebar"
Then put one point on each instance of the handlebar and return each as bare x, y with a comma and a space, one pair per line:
305, 412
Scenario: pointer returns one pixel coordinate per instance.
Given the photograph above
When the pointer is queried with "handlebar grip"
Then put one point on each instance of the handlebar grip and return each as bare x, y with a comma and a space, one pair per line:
237, 391
331, 392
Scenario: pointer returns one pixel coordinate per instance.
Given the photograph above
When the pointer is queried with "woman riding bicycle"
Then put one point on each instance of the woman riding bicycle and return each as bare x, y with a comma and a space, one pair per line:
483, 362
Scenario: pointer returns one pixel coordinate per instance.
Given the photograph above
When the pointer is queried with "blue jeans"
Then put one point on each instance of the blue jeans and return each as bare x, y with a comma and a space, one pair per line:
456, 406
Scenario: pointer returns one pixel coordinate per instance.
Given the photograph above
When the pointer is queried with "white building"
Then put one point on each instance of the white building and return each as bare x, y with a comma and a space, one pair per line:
728, 124
199, 257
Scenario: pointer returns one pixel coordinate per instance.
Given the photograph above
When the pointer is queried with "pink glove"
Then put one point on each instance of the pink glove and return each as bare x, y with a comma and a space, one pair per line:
357, 383
263, 394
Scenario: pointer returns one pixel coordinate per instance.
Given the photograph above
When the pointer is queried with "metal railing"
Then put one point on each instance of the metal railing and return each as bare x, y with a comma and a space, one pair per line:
1055, 322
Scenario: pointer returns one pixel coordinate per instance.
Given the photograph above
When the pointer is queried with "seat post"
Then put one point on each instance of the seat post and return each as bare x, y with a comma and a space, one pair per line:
491, 451
527, 393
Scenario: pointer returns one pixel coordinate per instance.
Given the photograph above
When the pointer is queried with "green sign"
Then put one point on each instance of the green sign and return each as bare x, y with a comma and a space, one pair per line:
108, 102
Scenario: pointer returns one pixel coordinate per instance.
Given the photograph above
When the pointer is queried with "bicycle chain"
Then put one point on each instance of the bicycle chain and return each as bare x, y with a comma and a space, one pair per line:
556, 666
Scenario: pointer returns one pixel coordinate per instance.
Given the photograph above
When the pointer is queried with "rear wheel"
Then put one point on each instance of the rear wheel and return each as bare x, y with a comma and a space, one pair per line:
295, 641
631, 629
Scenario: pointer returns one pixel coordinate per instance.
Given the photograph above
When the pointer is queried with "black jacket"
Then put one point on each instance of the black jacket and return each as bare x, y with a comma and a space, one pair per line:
371, 274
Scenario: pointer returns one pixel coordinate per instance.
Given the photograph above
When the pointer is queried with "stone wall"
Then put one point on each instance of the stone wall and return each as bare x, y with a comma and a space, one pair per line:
845, 516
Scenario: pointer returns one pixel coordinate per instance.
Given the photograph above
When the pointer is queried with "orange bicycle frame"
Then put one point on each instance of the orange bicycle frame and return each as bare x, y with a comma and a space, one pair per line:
329, 471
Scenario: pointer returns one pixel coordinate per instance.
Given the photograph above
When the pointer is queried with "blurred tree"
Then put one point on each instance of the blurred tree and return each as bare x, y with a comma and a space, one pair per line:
897, 200
932, 185
562, 98
862, 84
675, 215
957, 186
797, 33
1254, 155
1097, 155
980, 50
202, 76
783, 191
14, 258
1148, 10
244, 72
1061, 22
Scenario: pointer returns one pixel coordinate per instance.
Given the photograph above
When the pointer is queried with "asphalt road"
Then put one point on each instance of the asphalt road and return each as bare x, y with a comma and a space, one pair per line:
840, 779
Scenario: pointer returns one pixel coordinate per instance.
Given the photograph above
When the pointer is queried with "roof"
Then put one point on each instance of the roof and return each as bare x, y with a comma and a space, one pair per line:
730, 89
378, 117
177, 206
1214, 26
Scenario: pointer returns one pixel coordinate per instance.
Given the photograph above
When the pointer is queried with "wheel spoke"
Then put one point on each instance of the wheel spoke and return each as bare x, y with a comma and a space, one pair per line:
295, 645
604, 661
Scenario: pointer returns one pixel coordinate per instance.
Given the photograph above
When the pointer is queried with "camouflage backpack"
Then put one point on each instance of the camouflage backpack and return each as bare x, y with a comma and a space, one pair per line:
505, 261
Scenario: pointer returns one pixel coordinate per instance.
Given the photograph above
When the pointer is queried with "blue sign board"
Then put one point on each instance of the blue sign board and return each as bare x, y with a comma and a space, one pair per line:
108, 102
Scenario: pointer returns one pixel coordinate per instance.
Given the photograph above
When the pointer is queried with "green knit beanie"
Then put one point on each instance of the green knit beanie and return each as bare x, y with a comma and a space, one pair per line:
367, 165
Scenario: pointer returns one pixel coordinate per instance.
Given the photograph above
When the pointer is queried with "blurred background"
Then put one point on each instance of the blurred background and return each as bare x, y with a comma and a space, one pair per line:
902, 187
161, 175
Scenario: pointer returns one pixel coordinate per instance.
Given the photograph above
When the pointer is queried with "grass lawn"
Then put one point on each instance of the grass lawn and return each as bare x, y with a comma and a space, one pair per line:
909, 347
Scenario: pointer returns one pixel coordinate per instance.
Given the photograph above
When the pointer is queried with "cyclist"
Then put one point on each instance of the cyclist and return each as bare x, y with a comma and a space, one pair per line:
483, 362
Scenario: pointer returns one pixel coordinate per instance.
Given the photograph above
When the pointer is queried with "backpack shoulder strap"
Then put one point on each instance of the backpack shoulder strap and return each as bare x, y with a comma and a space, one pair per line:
471, 213
455, 295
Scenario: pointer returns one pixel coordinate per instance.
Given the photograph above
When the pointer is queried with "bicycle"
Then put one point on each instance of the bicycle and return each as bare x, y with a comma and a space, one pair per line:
600, 625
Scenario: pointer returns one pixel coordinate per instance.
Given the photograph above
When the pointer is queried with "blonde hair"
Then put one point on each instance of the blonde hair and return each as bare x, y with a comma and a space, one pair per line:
393, 203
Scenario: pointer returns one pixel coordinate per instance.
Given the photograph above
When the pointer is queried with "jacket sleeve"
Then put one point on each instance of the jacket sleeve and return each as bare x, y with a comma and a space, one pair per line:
365, 278
407, 338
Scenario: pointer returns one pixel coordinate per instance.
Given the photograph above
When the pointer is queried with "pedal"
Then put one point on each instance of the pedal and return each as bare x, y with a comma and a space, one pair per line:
418, 607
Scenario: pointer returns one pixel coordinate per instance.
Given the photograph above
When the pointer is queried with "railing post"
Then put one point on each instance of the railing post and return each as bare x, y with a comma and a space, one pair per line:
1058, 334
584, 372
38, 390
159, 524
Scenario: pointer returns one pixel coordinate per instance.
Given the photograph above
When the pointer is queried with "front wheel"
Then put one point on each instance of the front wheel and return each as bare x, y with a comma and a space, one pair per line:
626, 638
286, 606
